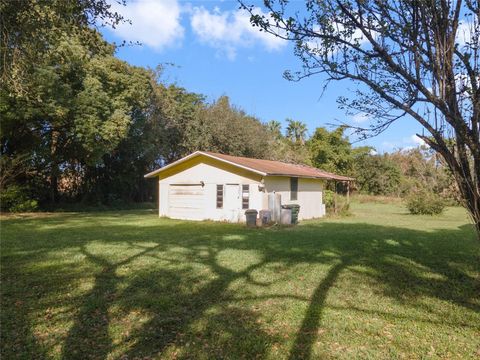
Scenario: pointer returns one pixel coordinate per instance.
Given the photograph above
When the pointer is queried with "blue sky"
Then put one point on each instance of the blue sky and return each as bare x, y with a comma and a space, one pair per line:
215, 51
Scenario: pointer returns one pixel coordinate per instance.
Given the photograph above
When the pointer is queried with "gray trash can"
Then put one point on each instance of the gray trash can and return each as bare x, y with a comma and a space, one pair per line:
251, 215
286, 216
265, 217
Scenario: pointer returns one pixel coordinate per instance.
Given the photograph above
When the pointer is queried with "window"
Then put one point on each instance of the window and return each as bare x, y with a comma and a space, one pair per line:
245, 196
219, 196
293, 188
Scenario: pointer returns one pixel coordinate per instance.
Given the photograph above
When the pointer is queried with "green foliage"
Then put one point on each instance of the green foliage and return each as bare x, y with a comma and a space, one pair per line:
377, 174
287, 148
339, 207
336, 205
16, 199
425, 203
331, 150
70, 104
25, 206
296, 131
31, 29
395, 174
275, 128
343, 207
329, 199
175, 114
423, 169
221, 127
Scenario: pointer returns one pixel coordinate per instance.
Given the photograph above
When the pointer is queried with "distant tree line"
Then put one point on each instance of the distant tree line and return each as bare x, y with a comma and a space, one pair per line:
79, 125
401, 173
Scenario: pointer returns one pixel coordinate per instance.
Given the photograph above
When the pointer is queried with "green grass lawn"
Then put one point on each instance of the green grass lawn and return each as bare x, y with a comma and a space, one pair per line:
380, 284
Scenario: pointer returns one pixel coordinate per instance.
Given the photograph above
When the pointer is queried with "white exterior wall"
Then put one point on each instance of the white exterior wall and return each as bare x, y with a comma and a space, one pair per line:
212, 173
212, 176
309, 195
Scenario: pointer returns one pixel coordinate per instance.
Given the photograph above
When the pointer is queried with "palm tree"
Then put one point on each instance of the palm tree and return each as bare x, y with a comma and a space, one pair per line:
296, 131
275, 127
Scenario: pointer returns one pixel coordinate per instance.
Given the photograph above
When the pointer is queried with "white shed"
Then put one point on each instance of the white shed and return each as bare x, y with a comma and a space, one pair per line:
213, 186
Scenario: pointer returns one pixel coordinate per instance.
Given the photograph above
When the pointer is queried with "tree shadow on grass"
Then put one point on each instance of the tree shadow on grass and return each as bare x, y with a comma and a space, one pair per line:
16, 337
88, 338
397, 258
191, 325
307, 334
399, 268
235, 329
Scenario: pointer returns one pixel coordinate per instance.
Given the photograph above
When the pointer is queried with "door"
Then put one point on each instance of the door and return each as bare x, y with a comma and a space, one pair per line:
232, 205
186, 201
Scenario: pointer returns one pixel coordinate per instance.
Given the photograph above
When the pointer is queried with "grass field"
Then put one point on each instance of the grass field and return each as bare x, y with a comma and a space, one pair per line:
380, 284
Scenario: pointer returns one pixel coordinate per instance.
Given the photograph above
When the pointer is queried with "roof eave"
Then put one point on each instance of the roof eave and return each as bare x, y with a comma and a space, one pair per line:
340, 178
158, 171
234, 164
197, 153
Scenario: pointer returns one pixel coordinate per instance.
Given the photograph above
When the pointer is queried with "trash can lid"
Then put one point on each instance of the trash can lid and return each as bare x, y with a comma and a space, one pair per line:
251, 211
290, 206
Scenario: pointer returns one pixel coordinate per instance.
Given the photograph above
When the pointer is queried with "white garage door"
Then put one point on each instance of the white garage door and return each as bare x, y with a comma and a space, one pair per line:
186, 201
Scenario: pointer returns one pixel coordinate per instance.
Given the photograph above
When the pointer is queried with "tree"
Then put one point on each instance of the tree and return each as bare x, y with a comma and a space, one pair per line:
275, 127
331, 151
422, 170
174, 113
296, 131
377, 174
221, 127
409, 58
65, 100
30, 27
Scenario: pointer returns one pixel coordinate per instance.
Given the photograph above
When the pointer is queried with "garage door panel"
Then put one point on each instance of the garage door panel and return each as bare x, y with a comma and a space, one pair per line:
186, 201
185, 214
186, 192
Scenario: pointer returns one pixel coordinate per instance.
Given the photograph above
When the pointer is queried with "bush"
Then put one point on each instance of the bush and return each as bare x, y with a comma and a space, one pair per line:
343, 208
425, 203
25, 206
16, 199
329, 199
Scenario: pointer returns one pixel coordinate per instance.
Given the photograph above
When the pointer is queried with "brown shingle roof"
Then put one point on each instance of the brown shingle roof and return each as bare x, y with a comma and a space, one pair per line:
279, 168
265, 167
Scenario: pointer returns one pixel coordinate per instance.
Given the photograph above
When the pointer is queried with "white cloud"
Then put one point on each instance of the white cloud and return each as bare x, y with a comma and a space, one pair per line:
416, 140
361, 117
464, 33
407, 143
155, 23
229, 30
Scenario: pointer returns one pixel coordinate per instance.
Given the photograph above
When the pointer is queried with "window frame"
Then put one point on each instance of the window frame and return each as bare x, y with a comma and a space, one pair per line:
293, 188
220, 191
245, 205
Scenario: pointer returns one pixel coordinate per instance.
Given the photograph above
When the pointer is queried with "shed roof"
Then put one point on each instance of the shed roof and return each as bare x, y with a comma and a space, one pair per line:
262, 167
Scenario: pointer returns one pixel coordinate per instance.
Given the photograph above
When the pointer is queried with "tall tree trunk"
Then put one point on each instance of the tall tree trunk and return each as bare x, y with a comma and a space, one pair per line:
465, 170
